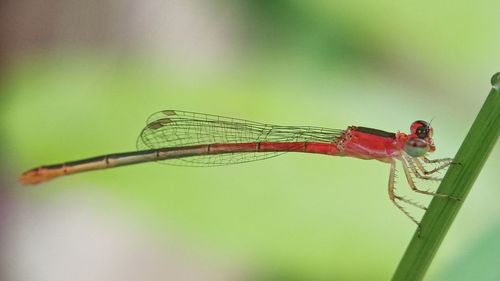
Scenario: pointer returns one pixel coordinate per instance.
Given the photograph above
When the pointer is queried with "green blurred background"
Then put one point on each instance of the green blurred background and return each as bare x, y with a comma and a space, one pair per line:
79, 78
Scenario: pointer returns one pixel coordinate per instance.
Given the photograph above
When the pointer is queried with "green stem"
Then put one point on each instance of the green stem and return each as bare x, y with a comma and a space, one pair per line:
457, 182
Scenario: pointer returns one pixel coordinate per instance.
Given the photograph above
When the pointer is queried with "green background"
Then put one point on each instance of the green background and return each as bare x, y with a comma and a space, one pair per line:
296, 217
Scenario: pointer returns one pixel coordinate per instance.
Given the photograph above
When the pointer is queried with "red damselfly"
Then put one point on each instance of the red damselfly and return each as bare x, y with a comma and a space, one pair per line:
195, 139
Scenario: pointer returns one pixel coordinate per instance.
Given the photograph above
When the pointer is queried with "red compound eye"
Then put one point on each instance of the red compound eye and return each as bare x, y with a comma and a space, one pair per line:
421, 129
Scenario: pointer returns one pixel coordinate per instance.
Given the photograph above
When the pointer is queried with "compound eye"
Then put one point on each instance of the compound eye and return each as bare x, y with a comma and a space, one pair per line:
422, 132
422, 129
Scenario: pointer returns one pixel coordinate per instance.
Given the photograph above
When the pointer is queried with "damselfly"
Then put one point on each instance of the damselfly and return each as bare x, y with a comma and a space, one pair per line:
195, 139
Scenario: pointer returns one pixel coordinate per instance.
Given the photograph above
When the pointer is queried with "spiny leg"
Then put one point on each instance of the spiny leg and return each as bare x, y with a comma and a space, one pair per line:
445, 165
412, 183
446, 162
410, 202
417, 168
394, 198
421, 167
440, 160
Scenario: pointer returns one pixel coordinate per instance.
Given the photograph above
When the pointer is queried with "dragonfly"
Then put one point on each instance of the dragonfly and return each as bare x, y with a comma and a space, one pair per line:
201, 140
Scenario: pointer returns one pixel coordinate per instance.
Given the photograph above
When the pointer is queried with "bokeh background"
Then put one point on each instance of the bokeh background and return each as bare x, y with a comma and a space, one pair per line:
79, 78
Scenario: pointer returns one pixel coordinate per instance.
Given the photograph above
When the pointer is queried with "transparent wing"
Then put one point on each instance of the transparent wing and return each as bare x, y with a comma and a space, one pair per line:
172, 128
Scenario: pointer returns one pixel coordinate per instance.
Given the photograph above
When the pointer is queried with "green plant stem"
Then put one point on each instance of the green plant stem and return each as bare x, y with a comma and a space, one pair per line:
457, 182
